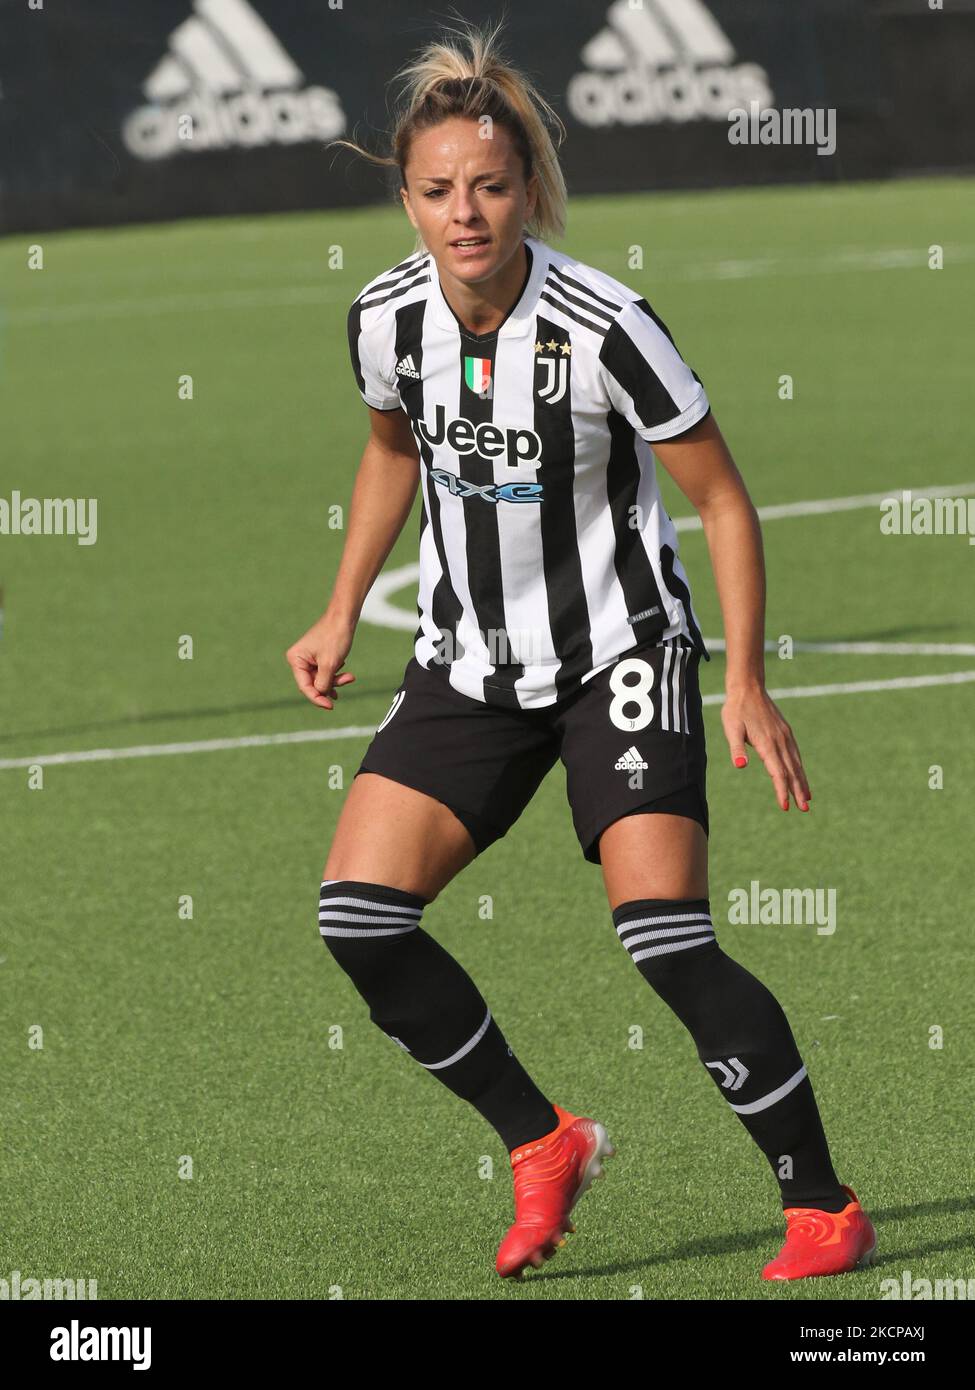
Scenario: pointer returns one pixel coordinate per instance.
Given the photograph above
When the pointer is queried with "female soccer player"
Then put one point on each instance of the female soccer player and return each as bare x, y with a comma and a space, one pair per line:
525, 389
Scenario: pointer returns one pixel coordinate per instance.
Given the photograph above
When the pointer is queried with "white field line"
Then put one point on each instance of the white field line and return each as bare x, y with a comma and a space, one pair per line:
855, 687
837, 260
718, 644
215, 745
284, 297
667, 268
826, 505
379, 609
206, 745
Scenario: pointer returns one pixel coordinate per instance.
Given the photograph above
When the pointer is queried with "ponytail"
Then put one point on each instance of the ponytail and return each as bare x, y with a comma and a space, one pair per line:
472, 79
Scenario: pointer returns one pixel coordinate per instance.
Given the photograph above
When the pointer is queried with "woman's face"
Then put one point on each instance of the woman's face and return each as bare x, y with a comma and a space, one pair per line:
465, 187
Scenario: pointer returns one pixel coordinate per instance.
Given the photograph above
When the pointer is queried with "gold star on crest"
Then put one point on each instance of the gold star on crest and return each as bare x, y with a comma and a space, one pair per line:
551, 345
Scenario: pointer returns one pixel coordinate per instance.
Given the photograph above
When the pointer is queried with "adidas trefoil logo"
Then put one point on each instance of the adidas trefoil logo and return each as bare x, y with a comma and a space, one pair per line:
227, 82
405, 367
630, 760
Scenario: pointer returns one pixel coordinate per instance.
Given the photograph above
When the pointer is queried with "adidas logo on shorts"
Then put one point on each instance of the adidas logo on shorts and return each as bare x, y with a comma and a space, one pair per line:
630, 760
406, 368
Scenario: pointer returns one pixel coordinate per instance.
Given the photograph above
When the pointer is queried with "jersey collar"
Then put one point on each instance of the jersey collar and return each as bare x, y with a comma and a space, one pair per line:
522, 316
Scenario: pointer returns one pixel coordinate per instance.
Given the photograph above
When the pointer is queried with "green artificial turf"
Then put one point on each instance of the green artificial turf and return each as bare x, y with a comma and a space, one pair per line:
317, 1168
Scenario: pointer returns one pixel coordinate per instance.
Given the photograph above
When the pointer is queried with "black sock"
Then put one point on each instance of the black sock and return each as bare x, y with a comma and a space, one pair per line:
742, 1037
427, 1003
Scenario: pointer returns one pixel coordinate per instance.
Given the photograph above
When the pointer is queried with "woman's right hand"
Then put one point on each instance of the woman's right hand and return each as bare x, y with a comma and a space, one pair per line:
316, 658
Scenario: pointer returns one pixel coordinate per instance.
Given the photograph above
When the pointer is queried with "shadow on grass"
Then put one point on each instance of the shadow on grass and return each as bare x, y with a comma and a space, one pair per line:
769, 1241
380, 688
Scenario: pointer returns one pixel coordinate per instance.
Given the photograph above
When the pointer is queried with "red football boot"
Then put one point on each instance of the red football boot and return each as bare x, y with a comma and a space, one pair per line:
824, 1242
550, 1175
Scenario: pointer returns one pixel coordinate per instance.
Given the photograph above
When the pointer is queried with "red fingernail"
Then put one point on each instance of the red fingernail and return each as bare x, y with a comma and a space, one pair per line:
741, 762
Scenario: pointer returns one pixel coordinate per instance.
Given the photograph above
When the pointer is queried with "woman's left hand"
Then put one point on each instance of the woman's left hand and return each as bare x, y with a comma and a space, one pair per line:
751, 716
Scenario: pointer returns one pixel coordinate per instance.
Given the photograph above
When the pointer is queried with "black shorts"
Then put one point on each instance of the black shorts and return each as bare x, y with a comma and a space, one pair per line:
631, 739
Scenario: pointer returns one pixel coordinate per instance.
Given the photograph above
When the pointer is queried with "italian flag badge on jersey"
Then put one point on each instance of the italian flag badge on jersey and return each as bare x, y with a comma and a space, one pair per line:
477, 374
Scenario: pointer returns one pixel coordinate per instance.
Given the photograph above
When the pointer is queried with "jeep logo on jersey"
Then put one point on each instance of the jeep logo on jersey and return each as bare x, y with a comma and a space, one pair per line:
487, 440
491, 492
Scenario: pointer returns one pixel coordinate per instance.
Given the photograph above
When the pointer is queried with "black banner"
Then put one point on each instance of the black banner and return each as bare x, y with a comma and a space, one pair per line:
255, 1338
114, 112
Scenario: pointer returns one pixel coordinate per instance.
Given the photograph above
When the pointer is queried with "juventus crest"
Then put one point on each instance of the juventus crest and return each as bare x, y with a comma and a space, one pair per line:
552, 374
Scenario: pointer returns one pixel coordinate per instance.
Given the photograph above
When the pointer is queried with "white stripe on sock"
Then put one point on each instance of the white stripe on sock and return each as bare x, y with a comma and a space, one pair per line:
772, 1096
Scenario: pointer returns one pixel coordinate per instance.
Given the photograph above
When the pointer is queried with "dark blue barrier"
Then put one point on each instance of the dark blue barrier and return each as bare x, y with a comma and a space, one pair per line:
96, 99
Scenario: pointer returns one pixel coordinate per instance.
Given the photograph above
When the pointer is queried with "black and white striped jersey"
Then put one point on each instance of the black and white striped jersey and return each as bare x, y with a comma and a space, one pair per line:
545, 548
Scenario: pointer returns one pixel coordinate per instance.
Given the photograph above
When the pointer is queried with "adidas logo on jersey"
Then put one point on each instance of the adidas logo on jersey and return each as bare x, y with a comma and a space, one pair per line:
662, 60
226, 81
631, 760
405, 367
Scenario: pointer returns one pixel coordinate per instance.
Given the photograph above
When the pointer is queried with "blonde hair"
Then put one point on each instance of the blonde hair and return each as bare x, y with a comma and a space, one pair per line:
445, 80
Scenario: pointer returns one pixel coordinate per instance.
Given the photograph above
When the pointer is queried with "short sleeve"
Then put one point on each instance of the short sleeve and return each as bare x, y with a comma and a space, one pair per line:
646, 379
374, 389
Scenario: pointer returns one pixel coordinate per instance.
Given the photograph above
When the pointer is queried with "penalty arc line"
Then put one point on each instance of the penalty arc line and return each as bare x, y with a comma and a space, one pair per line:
217, 745
379, 610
